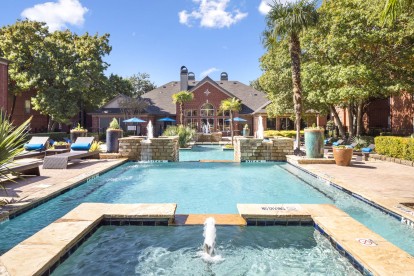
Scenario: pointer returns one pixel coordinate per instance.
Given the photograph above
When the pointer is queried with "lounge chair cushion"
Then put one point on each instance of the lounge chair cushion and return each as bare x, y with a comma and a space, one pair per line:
81, 146
336, 143
33, 146
366, 150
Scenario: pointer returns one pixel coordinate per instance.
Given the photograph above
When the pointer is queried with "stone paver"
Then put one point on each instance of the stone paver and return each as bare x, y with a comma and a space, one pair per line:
382, 259
385, 183
30, 190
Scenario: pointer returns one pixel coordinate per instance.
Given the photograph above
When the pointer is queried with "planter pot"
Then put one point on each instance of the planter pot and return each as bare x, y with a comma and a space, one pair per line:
112, 137
314, 143
74, 134
62, 146
342, 156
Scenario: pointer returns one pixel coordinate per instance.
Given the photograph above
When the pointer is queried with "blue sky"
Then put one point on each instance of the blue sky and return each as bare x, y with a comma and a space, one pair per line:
158, 37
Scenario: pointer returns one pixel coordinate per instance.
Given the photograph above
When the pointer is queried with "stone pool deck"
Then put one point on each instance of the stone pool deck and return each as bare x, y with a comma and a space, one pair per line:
33, 190
387, 184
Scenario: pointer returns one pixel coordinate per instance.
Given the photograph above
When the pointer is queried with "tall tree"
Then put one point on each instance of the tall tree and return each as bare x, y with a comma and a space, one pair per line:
352, 59
180, 98
141, 84
23, 44
231, 105
288, 21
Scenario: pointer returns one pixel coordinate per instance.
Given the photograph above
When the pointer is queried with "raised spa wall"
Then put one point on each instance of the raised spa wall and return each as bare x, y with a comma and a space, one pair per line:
156, 149
251, 149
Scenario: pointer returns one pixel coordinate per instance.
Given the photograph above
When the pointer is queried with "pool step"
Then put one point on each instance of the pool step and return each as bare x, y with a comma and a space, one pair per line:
198, 219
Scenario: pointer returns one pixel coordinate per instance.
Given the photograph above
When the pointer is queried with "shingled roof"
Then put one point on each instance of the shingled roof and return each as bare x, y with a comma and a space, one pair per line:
161, 97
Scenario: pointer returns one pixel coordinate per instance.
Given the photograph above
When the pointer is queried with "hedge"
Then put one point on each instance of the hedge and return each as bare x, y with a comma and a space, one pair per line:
284, 133
397, 147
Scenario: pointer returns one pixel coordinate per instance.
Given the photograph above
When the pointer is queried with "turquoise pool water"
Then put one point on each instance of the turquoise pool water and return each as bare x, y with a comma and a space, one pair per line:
176, 251
204, 188
206, 152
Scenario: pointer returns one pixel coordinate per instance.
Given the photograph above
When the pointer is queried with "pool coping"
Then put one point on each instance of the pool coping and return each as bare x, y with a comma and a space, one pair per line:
46, 249
347, 235
10, 211
400, 211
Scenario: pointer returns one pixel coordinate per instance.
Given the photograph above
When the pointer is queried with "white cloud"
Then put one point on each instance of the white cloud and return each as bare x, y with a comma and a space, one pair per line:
264, 6
211, 14
57, 14
208, 72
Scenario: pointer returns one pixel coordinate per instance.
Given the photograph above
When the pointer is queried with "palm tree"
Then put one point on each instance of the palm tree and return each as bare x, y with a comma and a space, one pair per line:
180, 98
393, 8
288, 21
11, 142
231, 104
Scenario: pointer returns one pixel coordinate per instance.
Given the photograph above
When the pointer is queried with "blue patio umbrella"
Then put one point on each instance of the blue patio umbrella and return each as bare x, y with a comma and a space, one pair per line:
134, 120
237, 119
166, 119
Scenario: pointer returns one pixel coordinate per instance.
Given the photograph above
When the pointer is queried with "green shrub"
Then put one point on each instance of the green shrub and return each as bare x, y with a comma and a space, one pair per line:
114, 124
398, 147
284, 133
185, 134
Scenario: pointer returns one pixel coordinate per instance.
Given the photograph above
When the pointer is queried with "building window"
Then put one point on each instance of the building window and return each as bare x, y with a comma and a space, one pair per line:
27, 106
192, 123
207, 110
190, 112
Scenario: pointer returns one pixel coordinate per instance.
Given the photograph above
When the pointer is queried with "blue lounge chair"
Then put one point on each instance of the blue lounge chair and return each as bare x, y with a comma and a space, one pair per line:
338, 143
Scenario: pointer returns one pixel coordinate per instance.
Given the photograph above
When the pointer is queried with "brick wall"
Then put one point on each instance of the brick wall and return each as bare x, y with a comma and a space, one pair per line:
402, 113
214, 97
3, 86
130, 147
248, 149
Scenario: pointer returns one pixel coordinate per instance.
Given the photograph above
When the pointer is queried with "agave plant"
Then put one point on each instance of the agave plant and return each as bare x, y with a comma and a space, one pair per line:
11, 142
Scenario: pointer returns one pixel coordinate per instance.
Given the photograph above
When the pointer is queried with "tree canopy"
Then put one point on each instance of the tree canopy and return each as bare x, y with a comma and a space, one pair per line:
65, 70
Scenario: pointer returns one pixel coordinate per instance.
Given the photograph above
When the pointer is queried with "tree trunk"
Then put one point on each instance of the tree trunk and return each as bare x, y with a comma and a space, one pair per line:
231, 126
181, 114
359, 119
295, 52
338, 122
13, 107
350, 121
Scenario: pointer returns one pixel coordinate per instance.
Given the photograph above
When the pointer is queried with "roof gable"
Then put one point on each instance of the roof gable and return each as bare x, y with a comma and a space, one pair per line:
207, 79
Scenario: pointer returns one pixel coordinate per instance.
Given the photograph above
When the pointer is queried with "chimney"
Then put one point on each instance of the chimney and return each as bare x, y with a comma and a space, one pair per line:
191, 76
183, 78
224, 76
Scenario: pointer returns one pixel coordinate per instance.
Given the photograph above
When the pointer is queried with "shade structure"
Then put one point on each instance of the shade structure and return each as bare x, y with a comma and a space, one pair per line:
237, 119
134, 120
166, 119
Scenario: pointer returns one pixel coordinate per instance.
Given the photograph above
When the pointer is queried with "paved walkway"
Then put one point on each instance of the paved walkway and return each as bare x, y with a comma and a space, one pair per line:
388, 184
31, 189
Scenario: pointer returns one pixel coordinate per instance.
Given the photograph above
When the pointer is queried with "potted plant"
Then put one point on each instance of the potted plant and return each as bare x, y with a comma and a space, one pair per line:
342, 155
78, 132
246, 130
314, 137
61, 145
113, 133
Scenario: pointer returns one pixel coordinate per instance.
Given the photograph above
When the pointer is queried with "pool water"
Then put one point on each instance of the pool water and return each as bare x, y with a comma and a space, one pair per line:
204, 188
206, 152
132, 250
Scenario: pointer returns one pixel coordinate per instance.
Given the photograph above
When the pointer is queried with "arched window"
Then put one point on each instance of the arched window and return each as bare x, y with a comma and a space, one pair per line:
207, 110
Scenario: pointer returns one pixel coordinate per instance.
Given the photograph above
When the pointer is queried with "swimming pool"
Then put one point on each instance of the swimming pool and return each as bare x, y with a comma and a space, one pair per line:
206, 152
127, 250
204, 188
